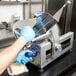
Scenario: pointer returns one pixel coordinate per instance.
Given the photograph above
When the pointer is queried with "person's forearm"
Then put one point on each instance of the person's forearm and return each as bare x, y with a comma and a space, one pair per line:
9, 54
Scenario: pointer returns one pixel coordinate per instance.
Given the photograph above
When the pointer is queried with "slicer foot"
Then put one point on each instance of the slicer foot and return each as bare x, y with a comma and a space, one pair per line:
41, 70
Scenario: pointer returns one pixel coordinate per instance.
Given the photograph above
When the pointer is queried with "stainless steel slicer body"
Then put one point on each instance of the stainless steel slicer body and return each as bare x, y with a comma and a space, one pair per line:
52, 44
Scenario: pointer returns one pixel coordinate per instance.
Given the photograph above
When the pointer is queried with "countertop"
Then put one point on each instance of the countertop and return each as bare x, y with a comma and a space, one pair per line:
57, 68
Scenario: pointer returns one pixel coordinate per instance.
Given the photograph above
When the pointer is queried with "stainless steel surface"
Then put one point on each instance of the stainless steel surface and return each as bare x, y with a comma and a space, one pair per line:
4, 34
6, 42
65, 20
40, 60
21, 24
23, 11
6, 38
68, 16
29, 5
58, 14
42, 5
46, 5
44, 58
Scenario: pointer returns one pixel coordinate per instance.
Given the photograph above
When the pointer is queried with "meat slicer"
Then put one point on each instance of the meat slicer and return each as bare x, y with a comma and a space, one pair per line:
49, 41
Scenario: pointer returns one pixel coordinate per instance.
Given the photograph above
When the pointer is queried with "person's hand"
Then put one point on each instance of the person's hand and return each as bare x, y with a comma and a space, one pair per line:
37, 27
22, 58
38, 15
28, 33
38, 22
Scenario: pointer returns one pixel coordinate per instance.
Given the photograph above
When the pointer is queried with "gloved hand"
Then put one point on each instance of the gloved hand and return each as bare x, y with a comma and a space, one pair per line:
38, 21
22, 58
38, 14
27, 32
38, 26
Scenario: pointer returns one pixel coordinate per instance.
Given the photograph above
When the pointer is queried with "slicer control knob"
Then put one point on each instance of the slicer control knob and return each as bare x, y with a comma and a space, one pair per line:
58, 47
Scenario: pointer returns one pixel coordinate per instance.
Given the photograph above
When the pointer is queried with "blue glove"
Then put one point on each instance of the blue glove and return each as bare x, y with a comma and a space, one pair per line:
38, 26
27, 32
39, 20
22, 58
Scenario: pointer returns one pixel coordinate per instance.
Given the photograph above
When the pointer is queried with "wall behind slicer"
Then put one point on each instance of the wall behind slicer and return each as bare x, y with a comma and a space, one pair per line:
6, 11
34, 8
